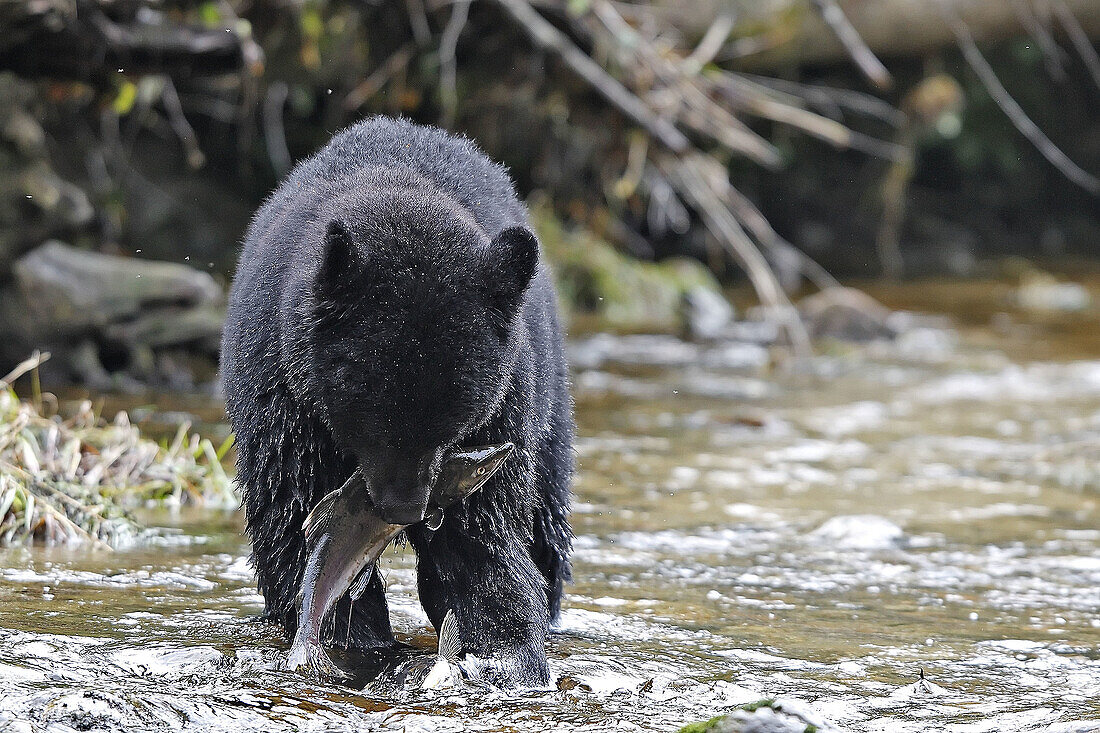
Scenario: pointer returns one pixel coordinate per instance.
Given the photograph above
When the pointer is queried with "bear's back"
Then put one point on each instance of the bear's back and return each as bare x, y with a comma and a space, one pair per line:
451, 164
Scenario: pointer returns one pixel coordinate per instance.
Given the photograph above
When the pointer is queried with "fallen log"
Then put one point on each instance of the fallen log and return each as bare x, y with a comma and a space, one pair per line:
80, 41
791, 31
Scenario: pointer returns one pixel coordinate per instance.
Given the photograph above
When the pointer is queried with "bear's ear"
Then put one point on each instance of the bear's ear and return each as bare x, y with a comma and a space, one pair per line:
514, 260
339, 259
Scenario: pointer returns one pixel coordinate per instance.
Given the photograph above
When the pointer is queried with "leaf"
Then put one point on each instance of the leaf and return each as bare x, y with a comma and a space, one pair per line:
578, 7
226, 445
210, 14
124, 100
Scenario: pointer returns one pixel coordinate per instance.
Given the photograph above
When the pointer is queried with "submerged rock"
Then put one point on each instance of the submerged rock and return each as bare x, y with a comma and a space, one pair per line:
846, 314
860, 532
705, 313
765, 716
1043, 293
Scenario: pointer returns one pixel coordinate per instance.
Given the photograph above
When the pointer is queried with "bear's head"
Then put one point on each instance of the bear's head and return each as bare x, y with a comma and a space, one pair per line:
414, 330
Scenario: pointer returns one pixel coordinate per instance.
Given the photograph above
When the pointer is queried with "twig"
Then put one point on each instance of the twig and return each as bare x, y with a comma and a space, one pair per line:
546, 35
719, 125
250, 73
697, 109
709, 118
836, 133
274, 133
752, 46
418, 20
216, 109
849, 37
34, 361
1053, 56
1012, 109
834, 99
178, 120
1079, 39
448, 96
702, 182
755, 221
43, 502
711, 44
370, 86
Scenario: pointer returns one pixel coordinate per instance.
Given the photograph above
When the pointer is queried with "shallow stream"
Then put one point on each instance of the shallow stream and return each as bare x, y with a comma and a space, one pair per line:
820, 536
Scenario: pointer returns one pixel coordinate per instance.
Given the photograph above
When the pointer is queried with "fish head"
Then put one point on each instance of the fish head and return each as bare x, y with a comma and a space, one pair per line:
465, 470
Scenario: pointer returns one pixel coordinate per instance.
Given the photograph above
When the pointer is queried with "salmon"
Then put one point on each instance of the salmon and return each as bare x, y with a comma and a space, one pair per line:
345, 537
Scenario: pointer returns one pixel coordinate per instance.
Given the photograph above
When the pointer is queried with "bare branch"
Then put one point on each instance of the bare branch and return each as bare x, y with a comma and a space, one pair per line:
696, 109
397, 61
1012, 109
853, 43
702, 182
1079, 39
829, 98
178, 120
447, 45
711, 44
758, 101
1053, 55
418, 19
274, 133
755, 221
550, 38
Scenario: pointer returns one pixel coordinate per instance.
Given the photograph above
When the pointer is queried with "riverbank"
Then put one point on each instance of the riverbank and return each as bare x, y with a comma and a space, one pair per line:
71, 479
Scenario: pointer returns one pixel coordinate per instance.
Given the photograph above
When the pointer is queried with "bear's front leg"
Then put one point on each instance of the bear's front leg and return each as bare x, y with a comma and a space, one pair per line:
498, 595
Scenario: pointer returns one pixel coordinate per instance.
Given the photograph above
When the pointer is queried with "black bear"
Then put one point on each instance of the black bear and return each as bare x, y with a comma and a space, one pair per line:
390, 303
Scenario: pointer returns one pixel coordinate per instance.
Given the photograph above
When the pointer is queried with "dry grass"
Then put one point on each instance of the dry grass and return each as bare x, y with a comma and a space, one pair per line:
71, 479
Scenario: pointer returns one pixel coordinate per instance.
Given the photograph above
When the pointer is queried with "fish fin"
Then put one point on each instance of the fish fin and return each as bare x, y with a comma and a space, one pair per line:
359, 585
450, 643
320, 515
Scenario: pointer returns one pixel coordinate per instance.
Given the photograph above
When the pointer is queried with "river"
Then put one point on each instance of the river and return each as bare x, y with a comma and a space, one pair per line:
824, 535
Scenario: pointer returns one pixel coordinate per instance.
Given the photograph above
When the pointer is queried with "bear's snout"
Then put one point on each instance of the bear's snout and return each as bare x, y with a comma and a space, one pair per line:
399, 496
408, 513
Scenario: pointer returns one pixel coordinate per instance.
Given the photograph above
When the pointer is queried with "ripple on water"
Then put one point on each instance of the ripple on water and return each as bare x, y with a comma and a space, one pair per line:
913, 508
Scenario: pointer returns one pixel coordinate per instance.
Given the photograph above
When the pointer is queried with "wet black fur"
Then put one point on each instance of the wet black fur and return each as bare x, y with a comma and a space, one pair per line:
390, 303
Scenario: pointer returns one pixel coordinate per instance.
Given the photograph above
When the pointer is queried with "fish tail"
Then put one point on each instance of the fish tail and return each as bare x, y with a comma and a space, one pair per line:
314, 661
450, 643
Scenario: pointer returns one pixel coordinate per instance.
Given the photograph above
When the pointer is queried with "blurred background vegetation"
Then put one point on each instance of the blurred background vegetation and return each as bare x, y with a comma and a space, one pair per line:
668, 150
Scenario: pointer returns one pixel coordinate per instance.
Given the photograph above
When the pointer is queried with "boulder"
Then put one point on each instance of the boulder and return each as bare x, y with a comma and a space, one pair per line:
106, 317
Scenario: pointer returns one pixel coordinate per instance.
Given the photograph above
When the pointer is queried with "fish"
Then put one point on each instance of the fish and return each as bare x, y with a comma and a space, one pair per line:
439, 670
345, 536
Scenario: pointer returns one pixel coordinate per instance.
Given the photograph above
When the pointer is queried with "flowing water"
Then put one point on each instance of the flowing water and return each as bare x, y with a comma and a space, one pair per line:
820, 536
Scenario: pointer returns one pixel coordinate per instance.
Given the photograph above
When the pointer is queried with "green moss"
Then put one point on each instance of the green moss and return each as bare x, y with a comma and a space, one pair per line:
702, 727
612, 290
715, 723
754, 706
